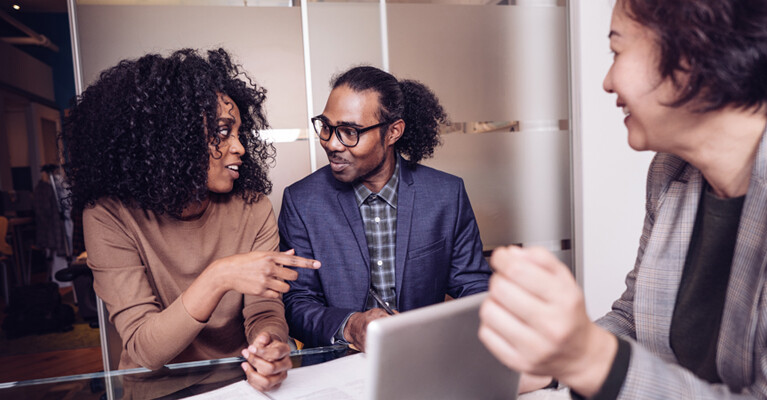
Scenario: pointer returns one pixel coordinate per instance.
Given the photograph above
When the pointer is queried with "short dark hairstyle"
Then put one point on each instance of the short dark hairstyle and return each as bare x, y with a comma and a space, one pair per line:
720, 46
138, 134
410, 100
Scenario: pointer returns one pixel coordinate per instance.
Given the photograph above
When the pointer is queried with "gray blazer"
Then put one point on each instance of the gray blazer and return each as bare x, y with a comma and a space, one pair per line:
643, 313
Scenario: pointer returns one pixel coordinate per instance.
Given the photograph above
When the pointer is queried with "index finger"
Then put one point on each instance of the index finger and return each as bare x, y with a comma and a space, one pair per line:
512, 261
295, 261
544, 258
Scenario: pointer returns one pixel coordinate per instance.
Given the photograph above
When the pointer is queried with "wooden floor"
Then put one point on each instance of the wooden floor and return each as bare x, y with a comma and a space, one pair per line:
50, 364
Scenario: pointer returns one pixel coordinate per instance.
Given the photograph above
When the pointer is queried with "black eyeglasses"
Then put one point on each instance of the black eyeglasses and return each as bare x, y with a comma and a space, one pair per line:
349, 136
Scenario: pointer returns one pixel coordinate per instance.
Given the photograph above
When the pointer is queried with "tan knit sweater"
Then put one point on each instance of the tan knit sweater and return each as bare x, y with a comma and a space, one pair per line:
143, 262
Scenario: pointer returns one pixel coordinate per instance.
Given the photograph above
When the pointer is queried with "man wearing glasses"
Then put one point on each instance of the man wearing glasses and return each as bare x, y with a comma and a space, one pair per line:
392, 235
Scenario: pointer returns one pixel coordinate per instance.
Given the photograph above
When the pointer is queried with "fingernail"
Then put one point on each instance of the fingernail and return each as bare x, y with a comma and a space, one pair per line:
252, 349
316, 264
245, 353
244, 367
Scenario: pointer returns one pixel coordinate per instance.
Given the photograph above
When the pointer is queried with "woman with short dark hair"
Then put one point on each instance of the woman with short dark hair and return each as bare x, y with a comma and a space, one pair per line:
691, 77
165, 160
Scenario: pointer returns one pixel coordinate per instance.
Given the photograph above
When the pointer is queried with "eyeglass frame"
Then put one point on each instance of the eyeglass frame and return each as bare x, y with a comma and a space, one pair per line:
334, 129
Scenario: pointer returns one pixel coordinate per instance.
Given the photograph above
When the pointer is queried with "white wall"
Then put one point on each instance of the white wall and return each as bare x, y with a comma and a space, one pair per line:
488, 64
608, 176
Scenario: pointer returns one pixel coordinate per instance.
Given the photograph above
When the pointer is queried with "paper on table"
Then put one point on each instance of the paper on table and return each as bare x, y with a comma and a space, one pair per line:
238, 390
547, 394
340, 379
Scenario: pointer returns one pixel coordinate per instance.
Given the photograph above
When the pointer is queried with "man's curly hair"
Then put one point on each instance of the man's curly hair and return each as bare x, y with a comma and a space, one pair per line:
410, 100
141, 132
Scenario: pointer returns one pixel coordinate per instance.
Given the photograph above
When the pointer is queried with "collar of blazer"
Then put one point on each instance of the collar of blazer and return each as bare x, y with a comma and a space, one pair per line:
736, 351
678, 197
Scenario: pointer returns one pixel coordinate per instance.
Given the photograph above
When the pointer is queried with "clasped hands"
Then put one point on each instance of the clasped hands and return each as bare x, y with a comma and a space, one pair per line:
267, 359
267, 362
534, 321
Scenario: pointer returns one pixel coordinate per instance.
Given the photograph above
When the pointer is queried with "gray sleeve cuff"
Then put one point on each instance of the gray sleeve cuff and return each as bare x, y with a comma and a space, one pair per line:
339, 336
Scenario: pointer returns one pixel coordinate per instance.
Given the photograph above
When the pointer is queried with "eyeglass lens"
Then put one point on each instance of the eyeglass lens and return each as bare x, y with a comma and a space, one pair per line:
347, 134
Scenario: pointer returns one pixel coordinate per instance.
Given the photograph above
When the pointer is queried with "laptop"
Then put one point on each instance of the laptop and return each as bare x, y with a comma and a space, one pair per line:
434, 353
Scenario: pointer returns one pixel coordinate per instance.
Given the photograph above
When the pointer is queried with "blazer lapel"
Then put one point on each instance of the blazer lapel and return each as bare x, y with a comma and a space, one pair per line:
405, 199
662, 266
348, 205
735, 351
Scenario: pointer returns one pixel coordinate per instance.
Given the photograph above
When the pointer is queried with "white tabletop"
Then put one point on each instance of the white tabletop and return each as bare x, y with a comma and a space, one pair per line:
547, 394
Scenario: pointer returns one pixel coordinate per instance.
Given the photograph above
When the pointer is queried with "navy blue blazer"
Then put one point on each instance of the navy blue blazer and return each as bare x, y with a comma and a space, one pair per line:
438, 249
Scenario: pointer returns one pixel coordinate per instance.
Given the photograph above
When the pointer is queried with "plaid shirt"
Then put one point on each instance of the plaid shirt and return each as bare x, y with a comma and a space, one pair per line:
379, 214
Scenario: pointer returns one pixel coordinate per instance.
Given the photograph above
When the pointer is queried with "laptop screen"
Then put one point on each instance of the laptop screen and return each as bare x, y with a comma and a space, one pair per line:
434, 353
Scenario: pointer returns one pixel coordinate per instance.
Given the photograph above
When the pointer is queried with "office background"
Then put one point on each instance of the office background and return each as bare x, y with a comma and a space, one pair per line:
497, 68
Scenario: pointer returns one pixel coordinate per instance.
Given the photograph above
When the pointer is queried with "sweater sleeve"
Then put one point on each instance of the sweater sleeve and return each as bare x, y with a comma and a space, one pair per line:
151, 336
261, 314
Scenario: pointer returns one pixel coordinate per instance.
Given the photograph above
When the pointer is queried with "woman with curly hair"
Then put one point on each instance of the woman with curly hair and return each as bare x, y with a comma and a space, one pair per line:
181, 239
692, 321
381, 224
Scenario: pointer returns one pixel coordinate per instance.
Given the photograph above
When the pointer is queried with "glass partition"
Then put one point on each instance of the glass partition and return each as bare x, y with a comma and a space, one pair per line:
501, 73
500, 69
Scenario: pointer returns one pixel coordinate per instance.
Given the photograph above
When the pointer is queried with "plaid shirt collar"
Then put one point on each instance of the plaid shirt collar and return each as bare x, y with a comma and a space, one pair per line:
388, 193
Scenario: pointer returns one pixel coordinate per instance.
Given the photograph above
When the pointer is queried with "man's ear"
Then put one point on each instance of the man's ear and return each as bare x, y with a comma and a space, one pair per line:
395, 132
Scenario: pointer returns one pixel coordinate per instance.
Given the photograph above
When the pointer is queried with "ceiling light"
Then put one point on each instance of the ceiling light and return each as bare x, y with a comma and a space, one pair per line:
16, 7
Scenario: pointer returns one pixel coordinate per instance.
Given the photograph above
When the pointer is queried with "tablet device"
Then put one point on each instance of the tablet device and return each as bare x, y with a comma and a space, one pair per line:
434, 353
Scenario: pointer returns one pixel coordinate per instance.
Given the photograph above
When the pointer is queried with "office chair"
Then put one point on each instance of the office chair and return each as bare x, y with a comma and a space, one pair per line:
93, 310
82, 280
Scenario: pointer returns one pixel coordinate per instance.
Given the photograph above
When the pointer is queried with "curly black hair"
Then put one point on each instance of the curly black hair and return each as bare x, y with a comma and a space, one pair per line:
410, 100
718, 46
139, 133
